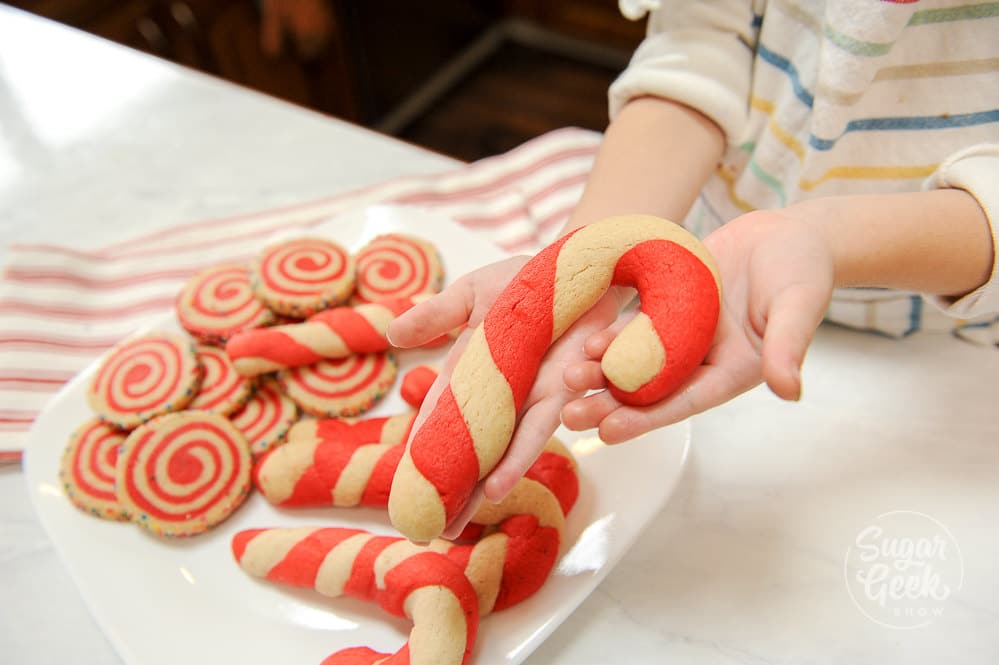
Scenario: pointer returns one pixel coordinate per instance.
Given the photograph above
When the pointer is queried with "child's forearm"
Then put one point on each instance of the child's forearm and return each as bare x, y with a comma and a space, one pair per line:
655, 158
935, 242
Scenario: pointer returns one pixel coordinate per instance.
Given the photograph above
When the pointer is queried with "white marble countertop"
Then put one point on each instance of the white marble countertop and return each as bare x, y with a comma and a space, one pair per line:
754, 560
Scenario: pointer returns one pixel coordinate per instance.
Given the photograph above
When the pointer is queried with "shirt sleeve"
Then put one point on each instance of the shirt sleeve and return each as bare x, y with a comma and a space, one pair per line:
976, 171
699, 54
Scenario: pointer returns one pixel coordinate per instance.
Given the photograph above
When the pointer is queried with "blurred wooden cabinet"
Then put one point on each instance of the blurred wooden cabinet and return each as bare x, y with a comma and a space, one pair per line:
379, 51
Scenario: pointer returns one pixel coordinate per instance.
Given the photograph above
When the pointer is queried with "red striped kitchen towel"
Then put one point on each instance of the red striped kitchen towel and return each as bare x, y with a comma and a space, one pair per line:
60, 308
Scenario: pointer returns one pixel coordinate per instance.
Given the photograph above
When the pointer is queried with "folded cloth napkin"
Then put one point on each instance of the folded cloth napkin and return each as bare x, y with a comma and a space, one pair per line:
61, 308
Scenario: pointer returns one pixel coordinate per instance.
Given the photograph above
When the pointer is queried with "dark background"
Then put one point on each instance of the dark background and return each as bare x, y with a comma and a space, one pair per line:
466, 78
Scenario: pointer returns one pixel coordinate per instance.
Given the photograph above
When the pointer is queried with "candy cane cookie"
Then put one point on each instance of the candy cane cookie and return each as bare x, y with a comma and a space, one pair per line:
397, 265
426, 586
144, 377
340, 388
183, 473
471, 424
334, 463
334, 333
503, 568
88, 466
266, 417
218, 302
416, 384
302, 276
222, 389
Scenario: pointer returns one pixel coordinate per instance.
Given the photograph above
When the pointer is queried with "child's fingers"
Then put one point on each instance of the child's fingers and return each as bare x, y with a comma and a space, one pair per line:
708, 386
462, 519
794, 315
597, 343
432, 318
586, 413
535, 428
583, 376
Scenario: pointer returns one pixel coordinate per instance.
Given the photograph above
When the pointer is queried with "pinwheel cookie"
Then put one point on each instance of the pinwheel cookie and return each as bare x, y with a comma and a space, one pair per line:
302, 276
397, 265
267, 417
145, 377
340, 388
88, 467
222, 389
183, 473
218, 302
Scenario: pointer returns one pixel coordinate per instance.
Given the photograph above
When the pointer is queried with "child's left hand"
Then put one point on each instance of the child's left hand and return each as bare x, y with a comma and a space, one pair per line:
777, 280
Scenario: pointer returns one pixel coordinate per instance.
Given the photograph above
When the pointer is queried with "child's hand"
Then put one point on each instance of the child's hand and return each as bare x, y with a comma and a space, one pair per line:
777, 280
467, 301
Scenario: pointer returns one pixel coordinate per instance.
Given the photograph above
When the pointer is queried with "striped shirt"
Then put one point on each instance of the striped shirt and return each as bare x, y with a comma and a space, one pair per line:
832, 98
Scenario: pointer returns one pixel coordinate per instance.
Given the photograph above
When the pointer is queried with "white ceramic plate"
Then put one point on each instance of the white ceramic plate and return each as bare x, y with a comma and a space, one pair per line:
186, 601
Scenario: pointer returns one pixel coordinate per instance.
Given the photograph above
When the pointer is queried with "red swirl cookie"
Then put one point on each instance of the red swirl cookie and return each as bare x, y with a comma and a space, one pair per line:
218, 302
223, 390
145, 377
88, 469
266, 417
183, 473
302, 276
397, 265
340, 388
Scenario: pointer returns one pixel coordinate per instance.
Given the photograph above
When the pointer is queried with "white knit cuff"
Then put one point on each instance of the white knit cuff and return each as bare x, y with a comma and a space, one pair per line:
698, 54
976, 171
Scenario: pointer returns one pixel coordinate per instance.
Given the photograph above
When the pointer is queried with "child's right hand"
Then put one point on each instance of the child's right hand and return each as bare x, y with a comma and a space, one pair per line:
466, 302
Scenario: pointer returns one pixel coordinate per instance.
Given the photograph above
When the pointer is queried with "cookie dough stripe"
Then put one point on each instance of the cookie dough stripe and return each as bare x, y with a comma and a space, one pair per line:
280, 272
416, 384
353, 479
587, 260
141, 376
91, 471
394, 268
349, 377
279, 471
334, 333
94, 461
345, 470
266, 411
149, 474
263, 350
463, 437
220, 382
223, 298
260, 550
485, 400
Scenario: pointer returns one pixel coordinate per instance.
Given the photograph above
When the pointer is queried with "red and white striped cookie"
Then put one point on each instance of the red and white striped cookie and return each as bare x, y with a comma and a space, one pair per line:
504, 568
423, 585
340, 388
88, 469
397, 265
218, 302
473, 420
144, 377
266, 418
302, 276
334, 333
183, 473
334, 462
223, 390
